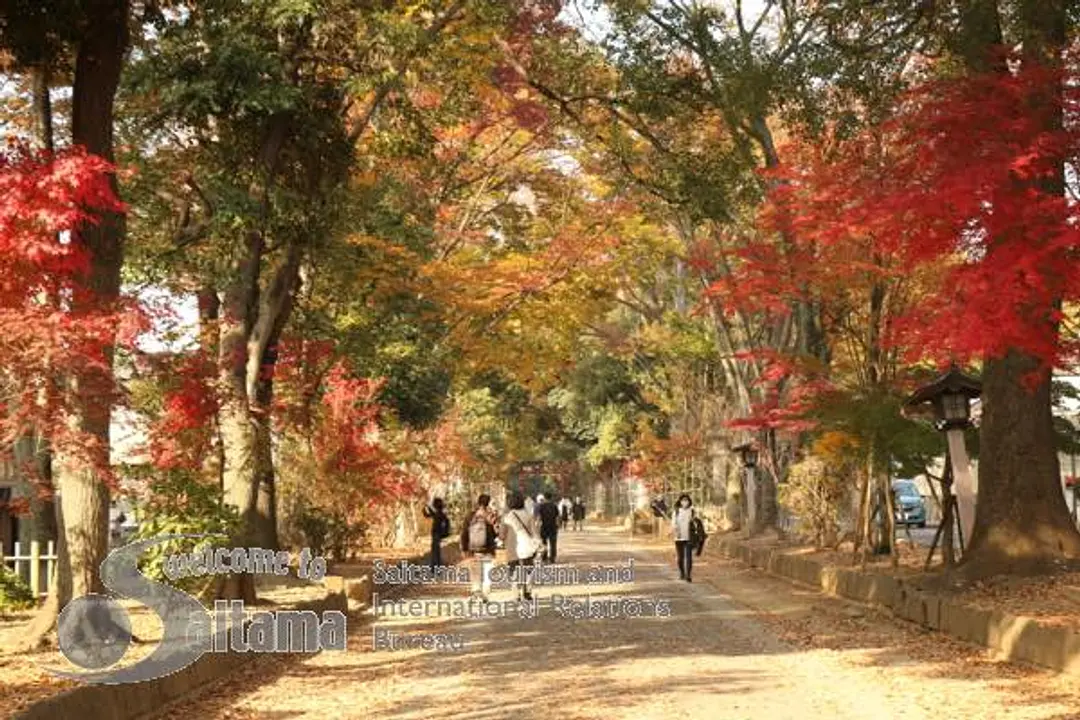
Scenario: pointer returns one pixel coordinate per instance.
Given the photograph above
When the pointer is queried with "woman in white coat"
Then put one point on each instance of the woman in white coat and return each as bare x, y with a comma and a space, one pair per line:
682, 530
521, 538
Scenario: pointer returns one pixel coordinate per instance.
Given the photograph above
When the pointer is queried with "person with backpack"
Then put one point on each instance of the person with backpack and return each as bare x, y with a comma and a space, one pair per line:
522, 541
478, 543
564, 512
549, 528
688, 531
578, 511
440, 528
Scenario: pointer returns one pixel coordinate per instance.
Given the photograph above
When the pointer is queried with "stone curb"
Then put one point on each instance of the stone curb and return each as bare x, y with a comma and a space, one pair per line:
137, 700
1016, 637
360, 590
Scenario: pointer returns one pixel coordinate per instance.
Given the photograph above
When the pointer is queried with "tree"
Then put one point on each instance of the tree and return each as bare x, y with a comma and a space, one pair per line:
972, 197
1022, 521
44, 195
97, 30
689, 107
262, 186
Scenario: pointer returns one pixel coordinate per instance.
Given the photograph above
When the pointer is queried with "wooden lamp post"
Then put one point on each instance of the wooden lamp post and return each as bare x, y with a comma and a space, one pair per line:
950, 398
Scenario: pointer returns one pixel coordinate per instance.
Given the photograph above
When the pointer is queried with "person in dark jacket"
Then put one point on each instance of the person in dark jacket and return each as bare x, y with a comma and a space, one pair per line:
549, 527
578, 511
440, 528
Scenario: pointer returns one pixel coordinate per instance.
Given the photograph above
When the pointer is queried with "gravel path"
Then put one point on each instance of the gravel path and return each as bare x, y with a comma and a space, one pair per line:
735, 645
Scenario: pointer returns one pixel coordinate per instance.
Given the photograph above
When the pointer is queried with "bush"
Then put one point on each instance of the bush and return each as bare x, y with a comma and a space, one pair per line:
327, 533
815, 496
14, 593
180, 502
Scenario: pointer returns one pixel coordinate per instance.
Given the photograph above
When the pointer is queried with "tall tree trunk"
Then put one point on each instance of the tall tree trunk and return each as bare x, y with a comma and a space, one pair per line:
865, 544
33, 448
234, 416
265, 493
1022, 521
238, 321
890, 515
209, 313
43, 120
1021, 517
274, 313
806, 337
249, 336
83, 506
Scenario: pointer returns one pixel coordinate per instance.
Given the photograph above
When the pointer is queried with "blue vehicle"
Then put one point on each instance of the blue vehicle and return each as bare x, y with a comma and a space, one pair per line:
910, 505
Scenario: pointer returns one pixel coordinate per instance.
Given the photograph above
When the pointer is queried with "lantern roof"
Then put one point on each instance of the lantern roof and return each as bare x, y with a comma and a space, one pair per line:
951, 382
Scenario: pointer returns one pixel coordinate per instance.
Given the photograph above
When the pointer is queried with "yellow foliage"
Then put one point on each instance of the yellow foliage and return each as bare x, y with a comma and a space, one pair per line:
837, 447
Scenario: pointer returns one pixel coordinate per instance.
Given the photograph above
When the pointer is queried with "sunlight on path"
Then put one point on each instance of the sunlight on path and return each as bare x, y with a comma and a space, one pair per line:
708, 659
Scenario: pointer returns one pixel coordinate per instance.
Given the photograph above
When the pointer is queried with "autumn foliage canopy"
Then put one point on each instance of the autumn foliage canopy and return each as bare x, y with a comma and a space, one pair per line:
956, 203
50, 329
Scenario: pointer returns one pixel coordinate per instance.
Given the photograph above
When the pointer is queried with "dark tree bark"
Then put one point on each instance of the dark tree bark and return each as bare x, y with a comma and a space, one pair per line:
274, 315
32, 449
209, 311
1021, 519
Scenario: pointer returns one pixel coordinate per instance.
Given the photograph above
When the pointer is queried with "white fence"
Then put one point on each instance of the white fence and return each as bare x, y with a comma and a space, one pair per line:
35, 568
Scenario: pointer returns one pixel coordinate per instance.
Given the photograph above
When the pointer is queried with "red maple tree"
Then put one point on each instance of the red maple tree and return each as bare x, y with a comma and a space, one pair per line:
44, 197
963, 183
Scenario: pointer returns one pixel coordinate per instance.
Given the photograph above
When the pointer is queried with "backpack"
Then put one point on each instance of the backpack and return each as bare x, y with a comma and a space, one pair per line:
478, 533
697, 533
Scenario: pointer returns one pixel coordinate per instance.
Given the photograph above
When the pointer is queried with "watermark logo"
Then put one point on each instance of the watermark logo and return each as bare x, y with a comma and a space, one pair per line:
94, 631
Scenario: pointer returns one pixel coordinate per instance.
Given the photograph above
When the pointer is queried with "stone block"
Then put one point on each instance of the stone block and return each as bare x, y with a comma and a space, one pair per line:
880, 589
1070, 652
360, 590
966, 623
829, 581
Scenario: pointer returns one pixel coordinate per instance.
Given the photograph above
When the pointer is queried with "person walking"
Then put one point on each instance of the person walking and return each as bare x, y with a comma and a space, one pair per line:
521, 540
578, 511
549, 528
478, 543
564, 512
681, 526
440, 528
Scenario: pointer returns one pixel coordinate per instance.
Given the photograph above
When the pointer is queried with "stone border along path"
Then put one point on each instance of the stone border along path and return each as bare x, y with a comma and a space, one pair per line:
713, 657
1016, 637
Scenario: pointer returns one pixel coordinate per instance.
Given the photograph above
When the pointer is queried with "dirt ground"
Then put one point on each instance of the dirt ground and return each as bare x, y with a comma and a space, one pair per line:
25, 679
734, 644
